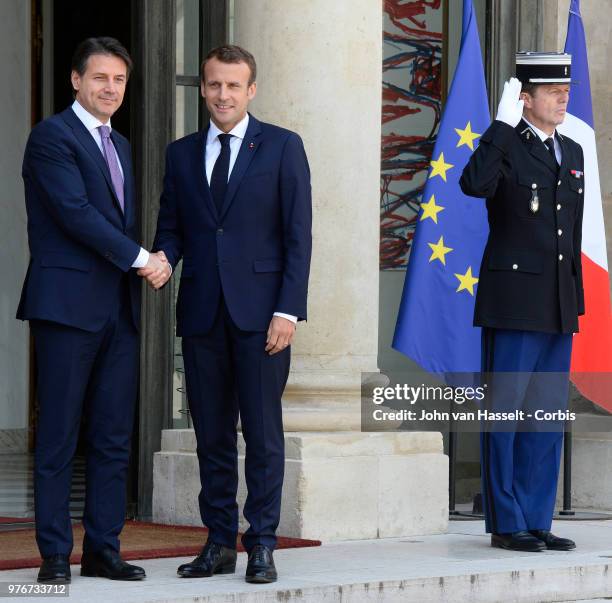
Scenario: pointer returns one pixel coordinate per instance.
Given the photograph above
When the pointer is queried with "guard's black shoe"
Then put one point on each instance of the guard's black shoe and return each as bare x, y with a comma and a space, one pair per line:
214, 559
107, 563
55, 569
517, 541
260, 568
552, 542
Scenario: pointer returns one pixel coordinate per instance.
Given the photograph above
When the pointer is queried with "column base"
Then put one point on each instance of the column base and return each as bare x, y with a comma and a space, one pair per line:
338, 485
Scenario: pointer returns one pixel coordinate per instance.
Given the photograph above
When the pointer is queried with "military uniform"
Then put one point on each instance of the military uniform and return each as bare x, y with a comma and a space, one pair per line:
529, 297
531, 275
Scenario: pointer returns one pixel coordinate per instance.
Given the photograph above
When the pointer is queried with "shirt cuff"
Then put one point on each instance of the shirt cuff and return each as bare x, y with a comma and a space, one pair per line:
142, 259
290, 317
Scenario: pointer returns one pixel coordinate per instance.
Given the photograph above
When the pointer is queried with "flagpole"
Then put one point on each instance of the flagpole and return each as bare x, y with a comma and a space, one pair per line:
567, 471
452, 467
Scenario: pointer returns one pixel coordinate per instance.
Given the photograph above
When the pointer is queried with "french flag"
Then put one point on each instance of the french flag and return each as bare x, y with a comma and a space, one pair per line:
591, 368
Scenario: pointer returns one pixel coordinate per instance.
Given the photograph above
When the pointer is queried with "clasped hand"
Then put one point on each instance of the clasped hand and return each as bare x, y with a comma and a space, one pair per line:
157, 271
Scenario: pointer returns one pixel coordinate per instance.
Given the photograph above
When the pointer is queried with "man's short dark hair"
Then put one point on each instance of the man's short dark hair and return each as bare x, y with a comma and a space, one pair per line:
529, 88
231, 53
103, 45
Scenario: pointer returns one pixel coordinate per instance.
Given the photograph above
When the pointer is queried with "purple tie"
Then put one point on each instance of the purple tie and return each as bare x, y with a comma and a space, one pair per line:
108, 150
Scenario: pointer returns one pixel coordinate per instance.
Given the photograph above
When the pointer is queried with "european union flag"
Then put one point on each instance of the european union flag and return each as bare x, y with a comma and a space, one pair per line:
434, 324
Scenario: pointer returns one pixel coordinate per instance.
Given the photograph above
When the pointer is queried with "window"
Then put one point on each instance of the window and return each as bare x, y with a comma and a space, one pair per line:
200, 26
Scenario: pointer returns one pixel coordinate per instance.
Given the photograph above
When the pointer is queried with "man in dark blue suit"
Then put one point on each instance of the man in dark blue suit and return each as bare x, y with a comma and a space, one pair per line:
236, 207
82, 297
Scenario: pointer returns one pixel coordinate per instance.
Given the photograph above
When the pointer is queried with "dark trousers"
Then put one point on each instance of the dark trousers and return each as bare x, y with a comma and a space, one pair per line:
90, 375
520, 466
228, 373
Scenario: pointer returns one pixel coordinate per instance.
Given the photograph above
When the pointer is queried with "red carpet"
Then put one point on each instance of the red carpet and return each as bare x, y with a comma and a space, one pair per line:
139, 540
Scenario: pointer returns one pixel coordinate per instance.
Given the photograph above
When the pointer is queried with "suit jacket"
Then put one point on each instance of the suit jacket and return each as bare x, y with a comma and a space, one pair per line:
531, 272
81, 243
256, 252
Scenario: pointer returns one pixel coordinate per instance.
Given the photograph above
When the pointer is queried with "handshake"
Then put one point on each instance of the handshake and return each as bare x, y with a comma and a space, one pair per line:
157, 271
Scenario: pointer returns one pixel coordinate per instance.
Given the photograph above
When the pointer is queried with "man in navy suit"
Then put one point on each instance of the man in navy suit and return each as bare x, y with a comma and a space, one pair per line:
82, 297
236, 207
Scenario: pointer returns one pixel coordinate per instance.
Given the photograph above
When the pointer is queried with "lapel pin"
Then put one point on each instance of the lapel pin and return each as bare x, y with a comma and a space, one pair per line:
251, 145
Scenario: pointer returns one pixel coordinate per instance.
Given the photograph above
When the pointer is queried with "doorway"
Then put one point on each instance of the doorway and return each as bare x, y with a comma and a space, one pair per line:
73, 21
58, 27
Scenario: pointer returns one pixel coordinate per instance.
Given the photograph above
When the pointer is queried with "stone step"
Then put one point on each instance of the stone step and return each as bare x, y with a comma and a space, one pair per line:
448, 568
320, 469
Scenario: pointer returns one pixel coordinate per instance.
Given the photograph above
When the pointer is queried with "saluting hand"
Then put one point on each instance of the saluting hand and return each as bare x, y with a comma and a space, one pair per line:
510, 108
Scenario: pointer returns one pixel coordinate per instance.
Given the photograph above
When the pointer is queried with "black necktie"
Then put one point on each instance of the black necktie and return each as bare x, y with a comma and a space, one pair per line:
550, 145
218, 178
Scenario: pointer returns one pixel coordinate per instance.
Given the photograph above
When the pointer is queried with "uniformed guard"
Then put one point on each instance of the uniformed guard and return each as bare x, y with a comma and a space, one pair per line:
530, 291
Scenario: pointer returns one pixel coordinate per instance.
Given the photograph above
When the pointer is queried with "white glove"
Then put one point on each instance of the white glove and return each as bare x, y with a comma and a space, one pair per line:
510, 109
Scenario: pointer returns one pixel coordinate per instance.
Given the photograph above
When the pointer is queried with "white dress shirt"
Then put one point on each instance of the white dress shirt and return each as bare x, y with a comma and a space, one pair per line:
543, 136
213, 150
92, 124
213, 145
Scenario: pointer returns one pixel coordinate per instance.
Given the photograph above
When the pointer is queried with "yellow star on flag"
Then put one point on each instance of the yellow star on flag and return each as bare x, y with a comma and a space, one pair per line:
439, 167
439, 251
466, 136
431, 210
466, 281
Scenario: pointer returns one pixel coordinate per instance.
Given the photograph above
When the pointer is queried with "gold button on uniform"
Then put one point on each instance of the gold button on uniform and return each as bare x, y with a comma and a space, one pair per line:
559, 232
559, 183
514, 266
558, 206
560, 257
580, 191
534, 185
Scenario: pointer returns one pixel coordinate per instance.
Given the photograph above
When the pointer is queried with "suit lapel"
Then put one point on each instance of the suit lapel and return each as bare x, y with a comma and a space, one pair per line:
86, 139
197, 157
564, 155
535, 145
123, 153
248, 148
539, 150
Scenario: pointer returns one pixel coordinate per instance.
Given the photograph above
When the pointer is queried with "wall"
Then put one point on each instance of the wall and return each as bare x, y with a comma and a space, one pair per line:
14, 128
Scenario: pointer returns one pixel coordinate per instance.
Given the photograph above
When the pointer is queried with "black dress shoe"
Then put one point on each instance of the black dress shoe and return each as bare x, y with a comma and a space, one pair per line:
552, 542
107, 563
517, 541
260, 568
55, 568
214, 559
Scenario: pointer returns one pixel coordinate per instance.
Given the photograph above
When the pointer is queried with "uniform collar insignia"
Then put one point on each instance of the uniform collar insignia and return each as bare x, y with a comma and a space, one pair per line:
529, 134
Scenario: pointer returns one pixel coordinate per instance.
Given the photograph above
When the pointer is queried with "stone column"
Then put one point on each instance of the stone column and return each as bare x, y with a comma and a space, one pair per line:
319, 74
